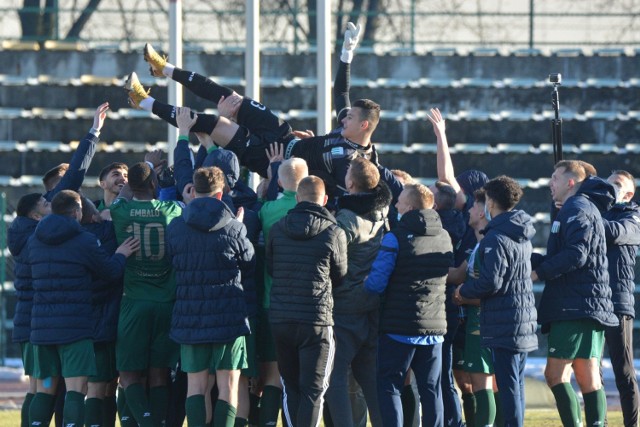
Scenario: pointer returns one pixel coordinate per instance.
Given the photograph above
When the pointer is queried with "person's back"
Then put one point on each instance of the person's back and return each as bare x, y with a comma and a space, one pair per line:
144, 321
148, 275
210, 250
362, 216
306, 256
63, 260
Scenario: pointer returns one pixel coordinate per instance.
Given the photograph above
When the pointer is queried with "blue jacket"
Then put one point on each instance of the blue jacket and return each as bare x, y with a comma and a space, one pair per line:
64, 259
17, 236
508, 308
456, 224
210, 252
80, 162
575, 267
107, 294
622, 230
253, 225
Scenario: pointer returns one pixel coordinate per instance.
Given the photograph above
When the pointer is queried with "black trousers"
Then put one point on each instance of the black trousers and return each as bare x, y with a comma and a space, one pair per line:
620, 343
305, 359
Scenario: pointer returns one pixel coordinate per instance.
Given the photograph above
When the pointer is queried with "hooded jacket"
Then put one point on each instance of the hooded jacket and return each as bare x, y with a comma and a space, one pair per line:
415, 293
622, 231
456, 224
17, 236
508, 308
575, 267
306, 255
107, 294
362, 218
210, 252
64, 259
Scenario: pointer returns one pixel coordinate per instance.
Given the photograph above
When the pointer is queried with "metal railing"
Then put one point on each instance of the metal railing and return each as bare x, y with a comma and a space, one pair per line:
409, 25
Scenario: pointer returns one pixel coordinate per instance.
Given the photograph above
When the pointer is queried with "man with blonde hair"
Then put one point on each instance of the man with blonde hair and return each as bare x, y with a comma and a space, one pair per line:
411, 269
576, 306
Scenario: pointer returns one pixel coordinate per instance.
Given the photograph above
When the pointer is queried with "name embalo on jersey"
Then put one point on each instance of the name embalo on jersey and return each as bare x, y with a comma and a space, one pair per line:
144, 213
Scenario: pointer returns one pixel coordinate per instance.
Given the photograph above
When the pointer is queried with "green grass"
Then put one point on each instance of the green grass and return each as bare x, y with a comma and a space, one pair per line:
533, 418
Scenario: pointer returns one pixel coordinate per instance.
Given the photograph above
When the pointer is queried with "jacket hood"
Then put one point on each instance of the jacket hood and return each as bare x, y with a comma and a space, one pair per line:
425, 222
470, 181
19, 232
516, 224
373, 205
55, 229
454, 222
243, 196
599, 192
626, 207
306, 220
207, 214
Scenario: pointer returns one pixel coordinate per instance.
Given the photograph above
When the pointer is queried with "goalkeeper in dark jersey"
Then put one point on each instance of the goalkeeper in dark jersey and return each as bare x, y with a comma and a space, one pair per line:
247, 127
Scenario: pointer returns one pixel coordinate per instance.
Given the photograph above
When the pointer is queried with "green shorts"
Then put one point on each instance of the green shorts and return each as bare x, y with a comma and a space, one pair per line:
576, 339
105, 362
214, 357
266, 346
458, 349
477, 359
76, 359
143, 336
27, 357
253, 368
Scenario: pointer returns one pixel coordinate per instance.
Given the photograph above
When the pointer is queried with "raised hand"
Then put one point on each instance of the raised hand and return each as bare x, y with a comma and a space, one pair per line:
100, 116
228, 107
351, 37
185, 120
275, 152
155, 158
437, 121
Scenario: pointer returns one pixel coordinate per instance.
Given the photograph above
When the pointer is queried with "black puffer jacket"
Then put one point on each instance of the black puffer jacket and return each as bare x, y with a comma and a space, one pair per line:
307, 256
414, 298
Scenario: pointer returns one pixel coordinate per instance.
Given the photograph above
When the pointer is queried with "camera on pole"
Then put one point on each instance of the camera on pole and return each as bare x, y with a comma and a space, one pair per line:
556, 122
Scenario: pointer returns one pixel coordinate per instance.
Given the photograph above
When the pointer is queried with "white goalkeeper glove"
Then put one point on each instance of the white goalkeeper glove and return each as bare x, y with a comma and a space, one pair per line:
351, 37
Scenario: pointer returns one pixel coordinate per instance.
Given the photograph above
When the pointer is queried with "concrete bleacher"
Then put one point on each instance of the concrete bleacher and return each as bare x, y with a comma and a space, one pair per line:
496, 102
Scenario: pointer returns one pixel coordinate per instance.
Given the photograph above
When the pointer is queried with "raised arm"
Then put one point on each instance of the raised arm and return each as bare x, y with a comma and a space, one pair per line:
443, 156
341, 84
81, 159
182, 155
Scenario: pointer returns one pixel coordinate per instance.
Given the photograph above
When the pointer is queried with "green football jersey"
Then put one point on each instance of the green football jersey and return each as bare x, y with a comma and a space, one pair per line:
149, 273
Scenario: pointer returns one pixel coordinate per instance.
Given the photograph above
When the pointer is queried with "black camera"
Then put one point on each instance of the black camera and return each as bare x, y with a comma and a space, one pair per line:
555, 78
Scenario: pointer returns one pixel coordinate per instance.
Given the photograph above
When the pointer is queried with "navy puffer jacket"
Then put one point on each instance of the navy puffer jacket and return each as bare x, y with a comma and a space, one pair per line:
575, 267
64, 260
508, 308
210, 252
107, 294
17, 236
622, 230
